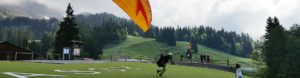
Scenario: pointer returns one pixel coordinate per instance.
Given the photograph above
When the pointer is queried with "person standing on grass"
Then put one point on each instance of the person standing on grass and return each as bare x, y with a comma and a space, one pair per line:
238, 71
189, 54
162, 61
181, 57
207, 58
204, 58
201, 58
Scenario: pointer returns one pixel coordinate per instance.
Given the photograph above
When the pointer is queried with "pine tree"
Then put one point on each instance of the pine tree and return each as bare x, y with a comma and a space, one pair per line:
274, 47
67, 32
194, 45
290, 67
46, 41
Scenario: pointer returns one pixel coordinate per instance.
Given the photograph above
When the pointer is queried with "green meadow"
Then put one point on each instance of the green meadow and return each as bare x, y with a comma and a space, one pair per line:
106, 70
148, 48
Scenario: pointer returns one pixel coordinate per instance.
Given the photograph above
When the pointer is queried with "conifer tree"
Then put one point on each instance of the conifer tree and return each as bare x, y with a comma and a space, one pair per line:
67, 31
274, 47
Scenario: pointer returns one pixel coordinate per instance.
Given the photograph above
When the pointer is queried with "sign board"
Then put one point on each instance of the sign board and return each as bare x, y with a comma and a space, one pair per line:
76, 52
66, 50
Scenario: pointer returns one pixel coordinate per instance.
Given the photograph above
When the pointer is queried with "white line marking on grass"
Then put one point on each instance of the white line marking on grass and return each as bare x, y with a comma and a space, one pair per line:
109, 69
96, 70
77, 71
101, 69
122, 70
138, 68
27, 75
126, 67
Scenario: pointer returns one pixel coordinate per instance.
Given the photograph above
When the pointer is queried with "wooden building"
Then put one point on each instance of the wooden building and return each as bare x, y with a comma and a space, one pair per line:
10, 51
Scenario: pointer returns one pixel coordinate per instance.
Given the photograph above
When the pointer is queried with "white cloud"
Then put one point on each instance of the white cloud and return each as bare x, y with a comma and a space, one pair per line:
81, 6
247, 16
12, 2
180, 12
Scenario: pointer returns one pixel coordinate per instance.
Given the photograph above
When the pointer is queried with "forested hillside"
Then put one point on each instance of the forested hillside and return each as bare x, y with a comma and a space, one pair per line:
227, 41
98, 30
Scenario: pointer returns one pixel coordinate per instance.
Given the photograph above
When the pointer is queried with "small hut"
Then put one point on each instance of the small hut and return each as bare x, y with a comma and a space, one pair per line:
10, 51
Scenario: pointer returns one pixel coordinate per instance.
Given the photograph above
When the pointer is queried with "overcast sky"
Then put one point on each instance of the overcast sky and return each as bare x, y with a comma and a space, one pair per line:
248, 16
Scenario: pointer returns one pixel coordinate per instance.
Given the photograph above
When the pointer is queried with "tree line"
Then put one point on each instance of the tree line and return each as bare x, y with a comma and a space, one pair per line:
231, 42
36, 26
96, 38
281, 50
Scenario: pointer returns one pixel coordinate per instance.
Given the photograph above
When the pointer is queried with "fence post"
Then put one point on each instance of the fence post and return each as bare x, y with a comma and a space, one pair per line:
228, 62
191, 59
111, 56
125, 59
141, 58
69, 56
181, 57
32, 56
59, 57
16, 56
63, 56
47, 56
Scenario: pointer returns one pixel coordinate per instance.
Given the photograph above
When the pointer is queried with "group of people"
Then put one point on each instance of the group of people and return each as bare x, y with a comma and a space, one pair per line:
165, 58
204, 58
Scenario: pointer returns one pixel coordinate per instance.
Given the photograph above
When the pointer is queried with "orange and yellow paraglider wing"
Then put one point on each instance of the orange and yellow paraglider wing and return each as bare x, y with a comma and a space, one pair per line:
138, 10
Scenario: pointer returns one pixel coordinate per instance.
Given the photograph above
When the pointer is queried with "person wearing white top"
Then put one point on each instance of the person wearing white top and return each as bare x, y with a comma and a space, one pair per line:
238, 71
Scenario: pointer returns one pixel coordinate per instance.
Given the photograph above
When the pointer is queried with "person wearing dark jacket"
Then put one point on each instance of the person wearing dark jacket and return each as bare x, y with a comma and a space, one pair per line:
161, 63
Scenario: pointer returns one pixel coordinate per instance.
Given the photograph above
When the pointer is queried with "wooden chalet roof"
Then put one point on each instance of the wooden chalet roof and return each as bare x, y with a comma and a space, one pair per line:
8, 47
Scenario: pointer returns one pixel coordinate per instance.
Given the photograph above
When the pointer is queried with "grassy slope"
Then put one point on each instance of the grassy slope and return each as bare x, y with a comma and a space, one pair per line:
145, 71
135, 47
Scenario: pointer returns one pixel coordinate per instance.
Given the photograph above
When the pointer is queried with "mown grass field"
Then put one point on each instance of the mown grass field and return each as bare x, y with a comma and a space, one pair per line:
131, 70
135, 47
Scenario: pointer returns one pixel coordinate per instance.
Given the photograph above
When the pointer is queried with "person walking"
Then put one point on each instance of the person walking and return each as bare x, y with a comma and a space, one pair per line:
238, 71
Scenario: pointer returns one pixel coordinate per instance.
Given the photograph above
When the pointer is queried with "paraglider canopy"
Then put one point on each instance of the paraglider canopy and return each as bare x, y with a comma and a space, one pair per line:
138, 10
